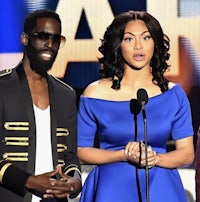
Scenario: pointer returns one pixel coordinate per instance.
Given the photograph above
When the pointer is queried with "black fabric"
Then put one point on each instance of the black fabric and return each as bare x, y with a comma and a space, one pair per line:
27, 100
14, 179
54, 200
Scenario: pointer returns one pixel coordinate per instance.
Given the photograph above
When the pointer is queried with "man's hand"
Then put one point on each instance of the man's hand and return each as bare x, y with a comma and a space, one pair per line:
64, 187
40, 183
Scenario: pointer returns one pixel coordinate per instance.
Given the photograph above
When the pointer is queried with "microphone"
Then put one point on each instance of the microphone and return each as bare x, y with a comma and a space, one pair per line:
135, 107
142, 98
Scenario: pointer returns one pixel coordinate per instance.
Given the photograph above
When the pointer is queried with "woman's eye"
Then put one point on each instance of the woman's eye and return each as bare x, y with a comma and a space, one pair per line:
128, 39
147, 38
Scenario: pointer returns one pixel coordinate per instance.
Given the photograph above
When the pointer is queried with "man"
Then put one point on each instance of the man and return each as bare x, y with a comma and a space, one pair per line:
38, 126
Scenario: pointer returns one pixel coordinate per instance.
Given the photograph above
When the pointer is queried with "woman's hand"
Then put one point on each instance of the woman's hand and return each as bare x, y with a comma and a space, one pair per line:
136, 152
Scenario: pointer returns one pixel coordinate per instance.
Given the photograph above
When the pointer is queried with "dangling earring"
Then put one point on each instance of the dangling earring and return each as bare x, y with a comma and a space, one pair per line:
151, 64
115, 84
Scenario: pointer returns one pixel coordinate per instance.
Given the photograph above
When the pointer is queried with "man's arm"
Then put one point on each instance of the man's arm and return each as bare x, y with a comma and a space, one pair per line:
13, 178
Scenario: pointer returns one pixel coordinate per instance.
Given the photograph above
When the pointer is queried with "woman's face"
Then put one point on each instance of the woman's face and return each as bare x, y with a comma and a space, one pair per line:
137, 46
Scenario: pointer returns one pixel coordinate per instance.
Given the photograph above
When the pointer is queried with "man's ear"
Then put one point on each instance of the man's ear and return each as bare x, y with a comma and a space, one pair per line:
24, 39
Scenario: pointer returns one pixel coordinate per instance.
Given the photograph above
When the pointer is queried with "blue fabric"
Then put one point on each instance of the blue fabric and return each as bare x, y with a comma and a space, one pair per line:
167, 114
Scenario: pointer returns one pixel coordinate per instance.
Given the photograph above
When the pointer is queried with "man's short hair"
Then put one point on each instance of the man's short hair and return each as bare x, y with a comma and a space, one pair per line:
31, 19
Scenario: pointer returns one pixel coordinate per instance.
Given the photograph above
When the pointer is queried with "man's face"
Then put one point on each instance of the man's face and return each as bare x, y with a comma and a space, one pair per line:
43, 45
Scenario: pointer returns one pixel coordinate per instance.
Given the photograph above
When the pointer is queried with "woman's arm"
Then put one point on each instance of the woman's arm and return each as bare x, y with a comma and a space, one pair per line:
90, 155
182, 155
134, 152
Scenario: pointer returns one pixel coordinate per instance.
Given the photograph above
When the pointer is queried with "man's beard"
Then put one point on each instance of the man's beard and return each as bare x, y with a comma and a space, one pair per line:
37, 64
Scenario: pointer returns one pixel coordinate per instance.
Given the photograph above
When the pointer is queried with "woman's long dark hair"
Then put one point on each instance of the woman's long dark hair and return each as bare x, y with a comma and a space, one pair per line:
112, 62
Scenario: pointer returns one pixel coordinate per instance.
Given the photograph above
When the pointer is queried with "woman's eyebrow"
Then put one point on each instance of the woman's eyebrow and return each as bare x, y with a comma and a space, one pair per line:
135, 35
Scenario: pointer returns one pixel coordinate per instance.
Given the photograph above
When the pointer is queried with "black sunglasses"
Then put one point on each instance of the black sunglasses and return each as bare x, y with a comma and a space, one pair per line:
43, 37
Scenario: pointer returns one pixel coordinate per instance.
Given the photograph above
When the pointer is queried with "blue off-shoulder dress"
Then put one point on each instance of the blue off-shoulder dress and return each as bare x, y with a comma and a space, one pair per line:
168, 114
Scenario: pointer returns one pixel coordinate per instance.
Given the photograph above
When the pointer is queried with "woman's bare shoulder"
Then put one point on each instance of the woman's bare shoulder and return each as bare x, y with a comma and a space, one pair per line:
91, 89
171, 85
97, 88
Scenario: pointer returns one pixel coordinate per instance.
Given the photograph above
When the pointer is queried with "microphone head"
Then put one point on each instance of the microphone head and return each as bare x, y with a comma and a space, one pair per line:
142, 96
135, 107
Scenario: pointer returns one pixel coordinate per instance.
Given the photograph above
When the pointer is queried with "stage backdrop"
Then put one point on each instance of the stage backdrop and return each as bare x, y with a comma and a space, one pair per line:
84, 22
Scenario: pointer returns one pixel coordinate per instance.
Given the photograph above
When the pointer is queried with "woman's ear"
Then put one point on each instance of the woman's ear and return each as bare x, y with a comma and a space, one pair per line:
24, 39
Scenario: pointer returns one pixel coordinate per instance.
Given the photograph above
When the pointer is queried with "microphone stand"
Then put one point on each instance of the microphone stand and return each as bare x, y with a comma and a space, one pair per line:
146, 151
136, 171
135, 109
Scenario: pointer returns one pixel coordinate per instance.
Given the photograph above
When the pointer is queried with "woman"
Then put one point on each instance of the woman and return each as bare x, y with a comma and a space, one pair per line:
135, 54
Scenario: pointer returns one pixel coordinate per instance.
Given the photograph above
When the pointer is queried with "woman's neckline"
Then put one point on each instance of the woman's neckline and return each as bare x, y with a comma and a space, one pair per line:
109, 100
